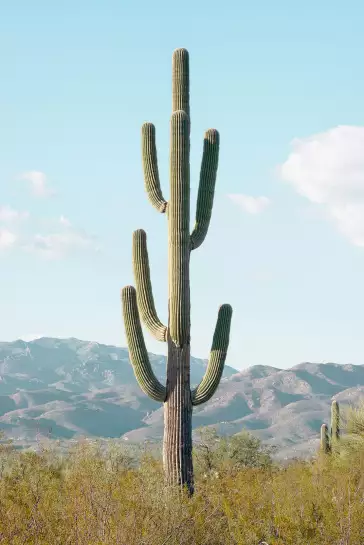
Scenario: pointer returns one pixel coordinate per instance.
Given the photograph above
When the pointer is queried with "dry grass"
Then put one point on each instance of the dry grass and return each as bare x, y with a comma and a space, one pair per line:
87, 497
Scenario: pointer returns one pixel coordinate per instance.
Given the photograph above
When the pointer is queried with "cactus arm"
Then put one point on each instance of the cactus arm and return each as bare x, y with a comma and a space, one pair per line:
335, 421
137, 350
206, 190
324, 441
150, 168
207, 387
144, 291
180, 81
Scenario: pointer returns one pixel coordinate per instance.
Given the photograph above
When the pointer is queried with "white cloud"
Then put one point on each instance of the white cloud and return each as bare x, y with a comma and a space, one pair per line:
252, 205
67, 240
10, 219
56, 239
38, 182
58, 245
328, 169
64, 221
7, 239
9, 215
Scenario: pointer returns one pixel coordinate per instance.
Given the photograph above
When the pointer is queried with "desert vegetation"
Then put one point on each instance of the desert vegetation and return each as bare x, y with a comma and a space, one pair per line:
90, 494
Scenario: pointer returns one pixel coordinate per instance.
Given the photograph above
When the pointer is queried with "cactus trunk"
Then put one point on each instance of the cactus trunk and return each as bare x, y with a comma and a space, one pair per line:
177, 395
177, 442
177, 445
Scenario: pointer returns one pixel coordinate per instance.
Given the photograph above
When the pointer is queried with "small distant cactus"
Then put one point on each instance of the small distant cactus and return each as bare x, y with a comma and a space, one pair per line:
335, 421
325, 439
138, 304
328, 440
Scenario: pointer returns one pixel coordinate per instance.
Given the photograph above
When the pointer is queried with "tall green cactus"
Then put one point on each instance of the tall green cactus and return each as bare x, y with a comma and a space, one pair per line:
177, 396
328, 440
335, 421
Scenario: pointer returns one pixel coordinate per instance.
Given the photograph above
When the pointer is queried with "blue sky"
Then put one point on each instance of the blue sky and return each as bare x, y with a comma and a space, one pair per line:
282, 82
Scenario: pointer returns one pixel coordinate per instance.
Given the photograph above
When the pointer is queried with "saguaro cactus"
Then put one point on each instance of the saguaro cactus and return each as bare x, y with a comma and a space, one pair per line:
325, 440
335, 422
138, 303
328, 440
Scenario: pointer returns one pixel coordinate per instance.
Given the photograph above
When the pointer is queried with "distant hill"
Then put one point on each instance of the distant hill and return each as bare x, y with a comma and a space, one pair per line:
67, 387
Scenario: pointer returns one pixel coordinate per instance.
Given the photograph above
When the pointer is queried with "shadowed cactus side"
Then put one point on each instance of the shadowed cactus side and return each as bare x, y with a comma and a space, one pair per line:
138, 304
329, 440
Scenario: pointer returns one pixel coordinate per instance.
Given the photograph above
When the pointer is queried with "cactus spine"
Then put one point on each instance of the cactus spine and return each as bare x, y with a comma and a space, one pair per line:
138, 303
328, 440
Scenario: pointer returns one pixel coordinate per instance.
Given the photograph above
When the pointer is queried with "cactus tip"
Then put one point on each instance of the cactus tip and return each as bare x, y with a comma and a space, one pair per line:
128, 291
180, 51
226, 308
212, 135
140, 233
148, 126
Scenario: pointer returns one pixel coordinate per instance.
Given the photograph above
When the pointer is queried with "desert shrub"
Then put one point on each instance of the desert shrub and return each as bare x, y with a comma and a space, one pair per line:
351, 444
94, 495
215, 454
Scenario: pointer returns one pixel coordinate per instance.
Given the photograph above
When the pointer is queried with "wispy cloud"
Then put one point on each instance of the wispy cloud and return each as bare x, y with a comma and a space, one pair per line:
38, 182
64, 221
9, 226
328, 169
251, 205
64, 241
8, 239
59, 240
50, 238
9, 215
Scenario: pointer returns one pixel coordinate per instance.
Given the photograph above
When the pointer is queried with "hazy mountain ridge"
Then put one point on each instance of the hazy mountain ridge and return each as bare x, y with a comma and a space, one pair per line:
72, 387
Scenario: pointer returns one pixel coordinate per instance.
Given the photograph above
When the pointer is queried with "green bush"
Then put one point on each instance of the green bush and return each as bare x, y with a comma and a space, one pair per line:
213, 453
351, 446
95, 494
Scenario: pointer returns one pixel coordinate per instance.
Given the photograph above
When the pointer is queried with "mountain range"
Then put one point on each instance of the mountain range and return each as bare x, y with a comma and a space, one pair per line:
66, 388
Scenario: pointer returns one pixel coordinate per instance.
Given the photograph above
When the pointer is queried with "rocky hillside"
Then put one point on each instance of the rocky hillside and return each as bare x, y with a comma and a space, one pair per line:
64, 388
